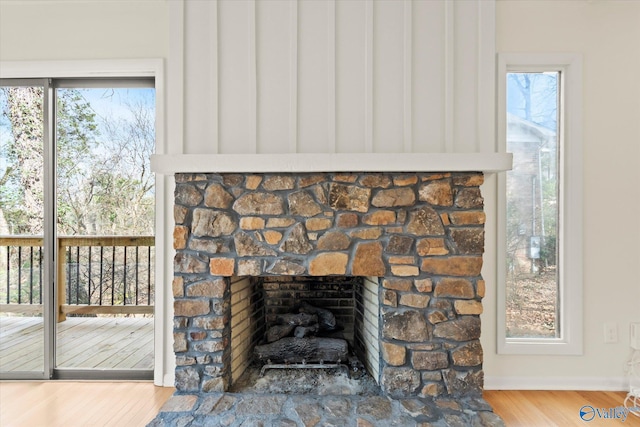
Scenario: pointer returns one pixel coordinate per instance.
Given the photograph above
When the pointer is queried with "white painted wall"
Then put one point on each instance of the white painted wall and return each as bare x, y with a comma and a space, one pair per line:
607, 33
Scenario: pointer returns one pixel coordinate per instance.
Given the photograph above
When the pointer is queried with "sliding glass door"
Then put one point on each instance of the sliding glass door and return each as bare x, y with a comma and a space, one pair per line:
76, 186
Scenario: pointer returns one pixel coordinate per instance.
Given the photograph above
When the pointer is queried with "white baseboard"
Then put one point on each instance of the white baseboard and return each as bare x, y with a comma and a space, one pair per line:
557, 383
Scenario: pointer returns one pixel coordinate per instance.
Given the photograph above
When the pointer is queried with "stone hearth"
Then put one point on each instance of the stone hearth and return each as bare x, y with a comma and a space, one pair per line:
415, 240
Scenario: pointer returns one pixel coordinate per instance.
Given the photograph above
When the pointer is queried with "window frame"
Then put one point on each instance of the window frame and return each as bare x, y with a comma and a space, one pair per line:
570, 173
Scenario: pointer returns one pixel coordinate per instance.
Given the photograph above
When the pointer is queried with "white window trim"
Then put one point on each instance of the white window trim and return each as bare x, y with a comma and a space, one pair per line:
108, 68
570, 341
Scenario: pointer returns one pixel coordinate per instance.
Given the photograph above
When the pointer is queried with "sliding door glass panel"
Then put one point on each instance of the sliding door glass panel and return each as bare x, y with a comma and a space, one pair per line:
21, 229
105, 226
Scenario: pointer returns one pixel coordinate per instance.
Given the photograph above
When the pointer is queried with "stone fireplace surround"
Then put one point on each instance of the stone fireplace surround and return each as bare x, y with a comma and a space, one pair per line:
420, 234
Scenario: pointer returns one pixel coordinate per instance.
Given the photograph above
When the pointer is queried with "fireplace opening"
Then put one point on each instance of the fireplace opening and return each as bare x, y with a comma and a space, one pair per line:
278, 312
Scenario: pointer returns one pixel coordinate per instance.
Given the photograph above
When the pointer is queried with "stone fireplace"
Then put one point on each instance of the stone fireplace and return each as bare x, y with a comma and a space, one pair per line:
408, 244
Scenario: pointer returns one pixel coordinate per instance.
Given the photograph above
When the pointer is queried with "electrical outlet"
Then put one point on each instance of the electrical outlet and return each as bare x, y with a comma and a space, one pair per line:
610, 332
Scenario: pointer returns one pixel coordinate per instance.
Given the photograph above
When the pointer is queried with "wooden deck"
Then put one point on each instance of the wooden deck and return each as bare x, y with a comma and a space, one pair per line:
82, 342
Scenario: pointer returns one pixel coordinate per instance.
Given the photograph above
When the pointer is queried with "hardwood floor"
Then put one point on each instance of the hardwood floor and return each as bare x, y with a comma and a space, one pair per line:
556, 408
63, 403
83, 342
127, 404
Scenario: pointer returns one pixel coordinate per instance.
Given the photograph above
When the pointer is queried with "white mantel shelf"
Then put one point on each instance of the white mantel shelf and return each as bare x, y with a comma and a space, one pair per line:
340, 162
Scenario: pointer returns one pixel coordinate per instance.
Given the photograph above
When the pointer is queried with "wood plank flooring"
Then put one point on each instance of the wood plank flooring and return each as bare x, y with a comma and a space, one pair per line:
532, 408
65, 403
82, 342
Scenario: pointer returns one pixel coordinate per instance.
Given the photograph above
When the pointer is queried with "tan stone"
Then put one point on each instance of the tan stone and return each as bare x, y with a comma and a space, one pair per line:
437, 193
468, 218
279, 182
308, 180
468, 240
349, 197
179, 342
215, 196
375, 180
249, 267
431, 390
180, 235
189, 263
405, 270
347, 220
367, 233
333, 241
454, 288
445, 219
253, 181
480, 288
404, 180
453, 266
301, 203
405, 325
368, 260
210, 323
434, 176
414, 300
177, 286
212, 223
272, 237
381, 217
393, 354
222, 266
208, 288
361, 422
425, 221
404, 260
315, 224
280, 222
328, 263
390, 298
468, 307
475, 180
429, 360
431, 246
469, 198
180, 213
394, 197
423, 285
190, 307
187, 195
345, 177
251, 223
394, 230
403, 285
437, 317
259, 204
468, 354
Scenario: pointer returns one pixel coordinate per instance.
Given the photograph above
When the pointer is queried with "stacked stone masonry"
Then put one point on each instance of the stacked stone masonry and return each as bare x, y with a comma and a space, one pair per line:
421, 234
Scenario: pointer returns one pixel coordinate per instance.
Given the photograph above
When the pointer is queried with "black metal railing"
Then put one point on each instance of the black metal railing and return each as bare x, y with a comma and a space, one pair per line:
96, 274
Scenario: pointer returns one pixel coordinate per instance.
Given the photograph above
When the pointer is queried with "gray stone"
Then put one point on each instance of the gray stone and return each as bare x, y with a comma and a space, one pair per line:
187, 379
287, 268
247, 246
187, 195
376, 407
335, 407
297, 241
468, 198
409, 325
208, 403
259, 204
429, 360
400, 382
465, 328
212, 246
258, 405
463, 383
190, 263
279, 182
309, 413
212, 223
302, 203
425, 222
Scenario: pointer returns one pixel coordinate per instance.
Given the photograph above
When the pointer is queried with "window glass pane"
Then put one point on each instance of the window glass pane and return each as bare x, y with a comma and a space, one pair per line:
532, 286
21, 229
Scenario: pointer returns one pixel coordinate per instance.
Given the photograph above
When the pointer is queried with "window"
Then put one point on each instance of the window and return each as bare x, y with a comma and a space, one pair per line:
540, 270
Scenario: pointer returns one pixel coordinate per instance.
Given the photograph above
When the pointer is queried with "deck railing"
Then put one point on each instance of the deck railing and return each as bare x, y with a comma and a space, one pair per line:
96, 275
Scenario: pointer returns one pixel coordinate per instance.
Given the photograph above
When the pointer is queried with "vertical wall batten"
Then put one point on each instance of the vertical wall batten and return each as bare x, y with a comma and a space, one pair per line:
449, 77
293, 76
213, 52
368, 78
175, 74
331, 76
408, 79
252, 82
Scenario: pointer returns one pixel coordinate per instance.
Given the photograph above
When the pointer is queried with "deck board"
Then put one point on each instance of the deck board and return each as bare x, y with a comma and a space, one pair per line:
83, 342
